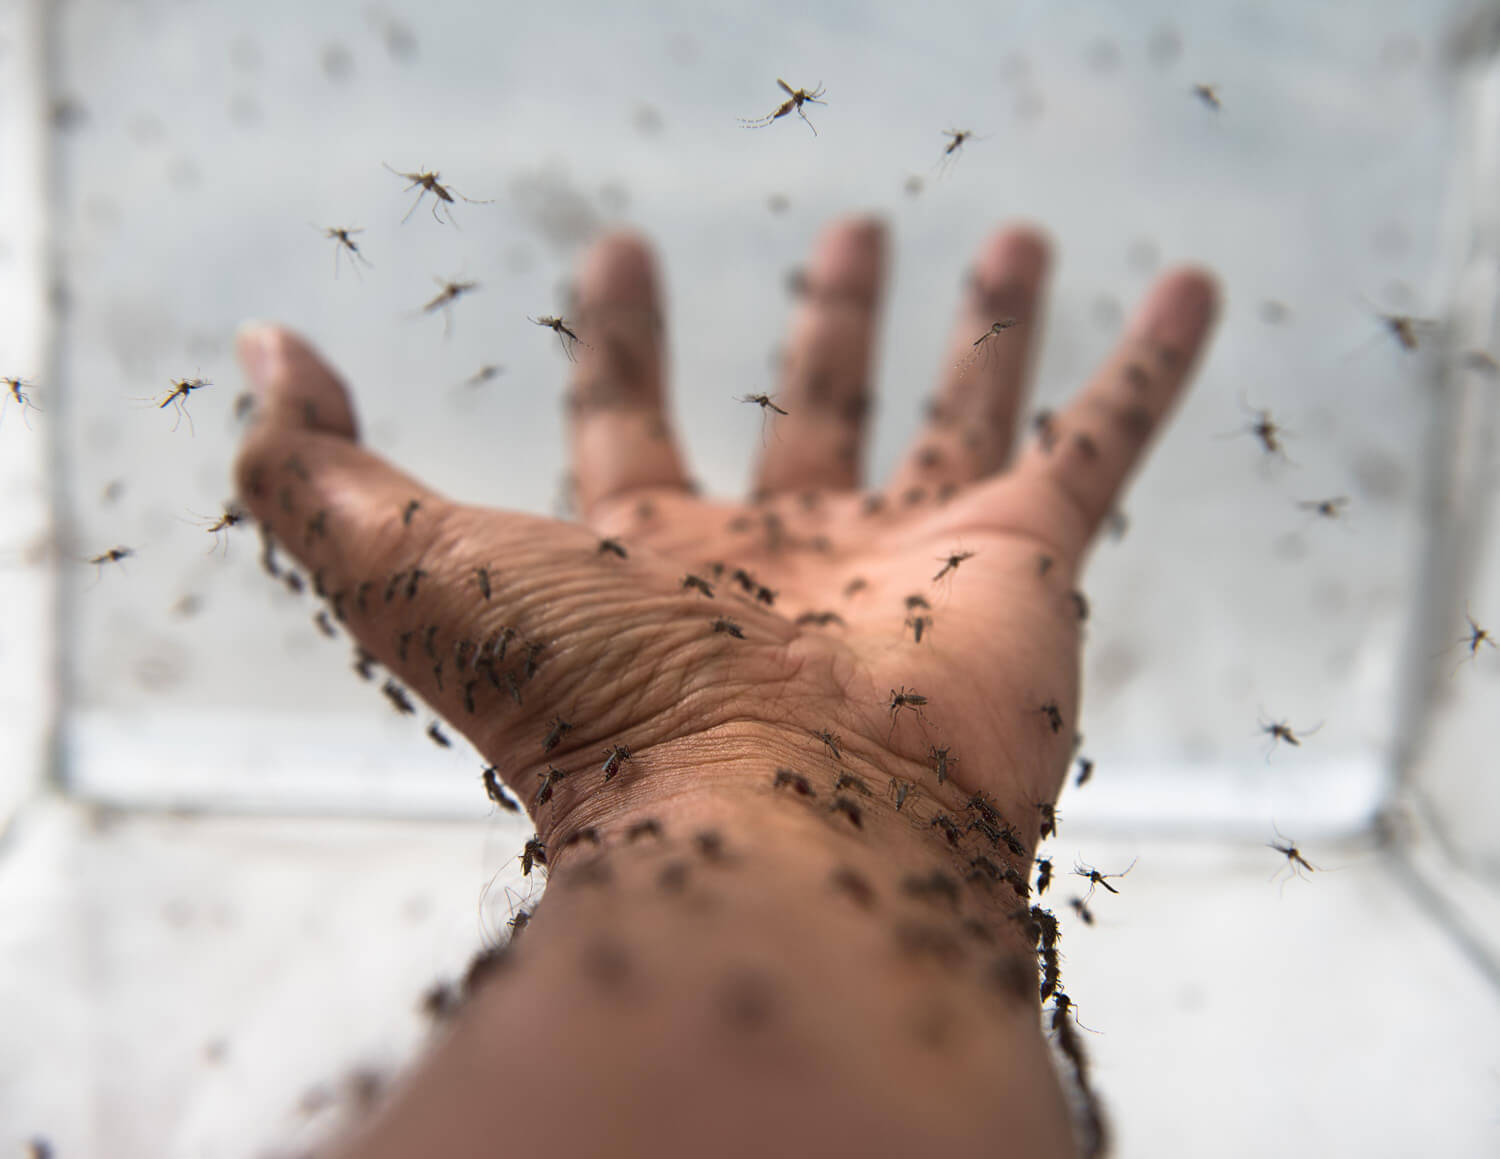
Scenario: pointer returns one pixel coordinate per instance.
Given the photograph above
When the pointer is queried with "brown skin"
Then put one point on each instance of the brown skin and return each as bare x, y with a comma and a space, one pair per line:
854, 1042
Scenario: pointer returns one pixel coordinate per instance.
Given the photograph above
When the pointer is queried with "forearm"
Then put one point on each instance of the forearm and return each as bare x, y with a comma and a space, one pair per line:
785, 984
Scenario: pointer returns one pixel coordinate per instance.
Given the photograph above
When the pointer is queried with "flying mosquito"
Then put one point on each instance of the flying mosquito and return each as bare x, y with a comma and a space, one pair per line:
345, 240
796, 98
442, 194
1209, 95
1266, 429
1293, 855
449, 293
15, 388
1325, 508
956, 141
564, 335
1280, 730
218, 526
1404, 328
978, 346
177, 399
1475, 637
484, 374
113, 555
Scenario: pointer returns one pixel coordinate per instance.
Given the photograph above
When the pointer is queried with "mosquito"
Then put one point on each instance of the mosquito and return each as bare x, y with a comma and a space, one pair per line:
15, 390
448, 293
535, 853
398, 698
177, 398
787, 778
555, 732
1325, 508
1209, 95
942, 761
219, 527
345, 240
1085, 771
430, 184
483, 375
544, 791
113, 555
1096, 878
614, 758
956, 140
950, 563
978, 347
1404, 328
796, 98
698, 583
1293, 856
848, 780
1265, 428
1279, 730
766, 404
905, 699
832, 742
1476, 637
1043, 874
564, 334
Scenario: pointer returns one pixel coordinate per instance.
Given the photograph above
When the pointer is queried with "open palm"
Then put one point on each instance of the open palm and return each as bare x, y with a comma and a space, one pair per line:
681, 627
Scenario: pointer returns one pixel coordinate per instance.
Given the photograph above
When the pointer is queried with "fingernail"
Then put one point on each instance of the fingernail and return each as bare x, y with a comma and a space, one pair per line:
259, 349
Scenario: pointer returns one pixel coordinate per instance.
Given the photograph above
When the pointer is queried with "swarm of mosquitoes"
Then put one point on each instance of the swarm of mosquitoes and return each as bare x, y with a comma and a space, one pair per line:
991, 865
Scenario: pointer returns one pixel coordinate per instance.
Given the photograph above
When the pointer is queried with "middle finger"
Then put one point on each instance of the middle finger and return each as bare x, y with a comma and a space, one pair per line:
971, 420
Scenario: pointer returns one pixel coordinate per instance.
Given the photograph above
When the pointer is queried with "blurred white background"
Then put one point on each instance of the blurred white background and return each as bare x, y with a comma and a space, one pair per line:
176, 982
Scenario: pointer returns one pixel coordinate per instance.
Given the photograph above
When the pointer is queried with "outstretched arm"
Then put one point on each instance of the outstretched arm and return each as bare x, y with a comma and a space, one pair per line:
797, 919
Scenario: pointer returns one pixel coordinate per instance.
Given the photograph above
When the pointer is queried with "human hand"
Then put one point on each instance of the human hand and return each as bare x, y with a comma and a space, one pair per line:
619, 649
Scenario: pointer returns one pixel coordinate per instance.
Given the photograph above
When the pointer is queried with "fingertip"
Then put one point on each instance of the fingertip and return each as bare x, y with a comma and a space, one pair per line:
849, 258
619, 267
294, 386
1181, 309
1018, 252
257, 346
